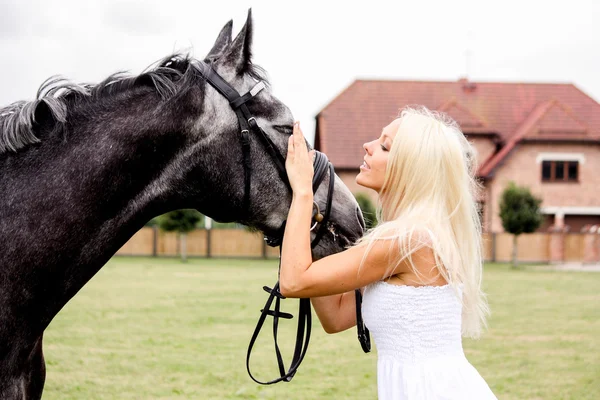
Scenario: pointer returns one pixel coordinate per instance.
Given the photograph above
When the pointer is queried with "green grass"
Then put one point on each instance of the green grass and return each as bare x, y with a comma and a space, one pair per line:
158, 329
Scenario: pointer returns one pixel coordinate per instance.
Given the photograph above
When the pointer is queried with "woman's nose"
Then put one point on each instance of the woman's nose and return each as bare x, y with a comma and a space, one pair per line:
366, 147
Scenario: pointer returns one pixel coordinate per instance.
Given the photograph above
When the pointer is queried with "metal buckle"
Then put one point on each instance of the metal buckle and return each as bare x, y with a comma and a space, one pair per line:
245, 140
315, 205
272, 241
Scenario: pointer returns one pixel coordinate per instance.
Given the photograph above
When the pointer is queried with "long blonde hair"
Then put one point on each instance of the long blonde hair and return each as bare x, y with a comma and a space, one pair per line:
428, 200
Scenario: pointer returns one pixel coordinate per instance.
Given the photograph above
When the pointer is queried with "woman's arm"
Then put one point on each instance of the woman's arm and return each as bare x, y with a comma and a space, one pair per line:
335, 274
336, 313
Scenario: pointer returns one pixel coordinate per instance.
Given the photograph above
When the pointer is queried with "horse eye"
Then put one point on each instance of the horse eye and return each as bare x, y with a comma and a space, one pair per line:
285, 129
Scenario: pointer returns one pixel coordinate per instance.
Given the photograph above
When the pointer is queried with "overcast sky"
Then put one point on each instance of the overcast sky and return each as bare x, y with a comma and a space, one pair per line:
312, 50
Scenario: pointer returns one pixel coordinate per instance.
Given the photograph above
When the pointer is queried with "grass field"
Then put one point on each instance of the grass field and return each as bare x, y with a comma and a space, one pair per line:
158, 329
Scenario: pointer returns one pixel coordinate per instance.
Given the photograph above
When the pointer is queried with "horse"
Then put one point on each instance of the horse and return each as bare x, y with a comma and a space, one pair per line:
83, 167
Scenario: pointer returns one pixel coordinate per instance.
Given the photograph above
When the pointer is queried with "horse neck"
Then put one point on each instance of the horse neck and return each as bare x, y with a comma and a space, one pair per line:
74, 201
119, 154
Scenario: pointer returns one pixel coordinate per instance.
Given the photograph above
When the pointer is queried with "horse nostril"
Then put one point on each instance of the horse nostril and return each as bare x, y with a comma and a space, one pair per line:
361, 220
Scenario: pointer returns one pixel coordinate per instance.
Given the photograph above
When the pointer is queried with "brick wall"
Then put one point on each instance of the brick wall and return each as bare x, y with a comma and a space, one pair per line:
484, 146
523, 167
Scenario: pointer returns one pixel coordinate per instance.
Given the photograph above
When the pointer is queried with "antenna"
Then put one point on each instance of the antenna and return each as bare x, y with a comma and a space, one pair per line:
468, 54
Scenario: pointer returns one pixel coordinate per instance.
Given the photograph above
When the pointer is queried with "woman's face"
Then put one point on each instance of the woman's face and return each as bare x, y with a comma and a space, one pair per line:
372, 171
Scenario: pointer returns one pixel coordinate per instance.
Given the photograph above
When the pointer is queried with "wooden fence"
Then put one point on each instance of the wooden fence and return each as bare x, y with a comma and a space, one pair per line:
224, 243
543, 247
240, 243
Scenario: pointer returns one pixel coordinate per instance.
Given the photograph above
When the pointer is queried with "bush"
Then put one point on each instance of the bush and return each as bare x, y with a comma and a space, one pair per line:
368, 209
181, 221
520, 213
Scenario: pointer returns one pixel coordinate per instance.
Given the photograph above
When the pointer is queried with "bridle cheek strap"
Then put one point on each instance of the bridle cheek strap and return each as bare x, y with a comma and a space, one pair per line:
322, 166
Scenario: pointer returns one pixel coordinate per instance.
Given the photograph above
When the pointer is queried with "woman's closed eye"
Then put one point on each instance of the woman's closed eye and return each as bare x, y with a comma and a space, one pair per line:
384, 148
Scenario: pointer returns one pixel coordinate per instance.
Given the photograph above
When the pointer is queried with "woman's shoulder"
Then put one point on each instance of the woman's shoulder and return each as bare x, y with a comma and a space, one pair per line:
405, 253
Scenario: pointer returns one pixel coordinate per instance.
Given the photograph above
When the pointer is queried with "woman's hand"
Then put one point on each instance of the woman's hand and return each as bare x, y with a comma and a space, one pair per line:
299, 163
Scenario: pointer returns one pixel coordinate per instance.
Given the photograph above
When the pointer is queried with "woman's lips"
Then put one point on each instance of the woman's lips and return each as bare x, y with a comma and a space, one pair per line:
365, 166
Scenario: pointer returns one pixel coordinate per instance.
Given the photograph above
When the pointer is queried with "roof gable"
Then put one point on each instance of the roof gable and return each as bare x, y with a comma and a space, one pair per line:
525, 127
462, 115
550, 120
558, 120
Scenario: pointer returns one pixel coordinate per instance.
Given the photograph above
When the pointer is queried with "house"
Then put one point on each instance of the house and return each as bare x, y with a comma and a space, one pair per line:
540, 135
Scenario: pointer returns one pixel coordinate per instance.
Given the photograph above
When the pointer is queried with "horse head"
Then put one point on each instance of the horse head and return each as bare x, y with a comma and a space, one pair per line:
221, 162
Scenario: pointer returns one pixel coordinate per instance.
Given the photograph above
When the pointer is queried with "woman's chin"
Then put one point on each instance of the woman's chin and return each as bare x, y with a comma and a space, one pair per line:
360, 180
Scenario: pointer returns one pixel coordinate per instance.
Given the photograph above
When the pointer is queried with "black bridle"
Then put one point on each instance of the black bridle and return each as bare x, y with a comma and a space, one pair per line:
321, 166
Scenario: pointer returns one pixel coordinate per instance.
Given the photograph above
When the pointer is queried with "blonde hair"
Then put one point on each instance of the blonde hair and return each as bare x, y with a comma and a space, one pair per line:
428, 200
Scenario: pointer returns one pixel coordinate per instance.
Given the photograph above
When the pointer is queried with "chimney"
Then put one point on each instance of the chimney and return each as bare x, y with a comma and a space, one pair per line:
467, 87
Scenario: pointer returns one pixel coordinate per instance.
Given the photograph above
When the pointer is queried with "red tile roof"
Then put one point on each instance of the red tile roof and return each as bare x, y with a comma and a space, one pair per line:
510, 111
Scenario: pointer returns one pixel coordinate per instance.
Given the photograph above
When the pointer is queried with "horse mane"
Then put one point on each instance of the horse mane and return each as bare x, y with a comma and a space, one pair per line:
58, 94
168, 77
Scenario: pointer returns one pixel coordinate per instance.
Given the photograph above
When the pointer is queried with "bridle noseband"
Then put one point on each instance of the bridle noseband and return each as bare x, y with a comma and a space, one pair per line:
321, 166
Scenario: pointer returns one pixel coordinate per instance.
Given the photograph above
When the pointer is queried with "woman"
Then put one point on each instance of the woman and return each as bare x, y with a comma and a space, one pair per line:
420, 267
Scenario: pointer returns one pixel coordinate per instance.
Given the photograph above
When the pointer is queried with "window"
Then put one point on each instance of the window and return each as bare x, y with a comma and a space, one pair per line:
546, 170
560, 171
573, 170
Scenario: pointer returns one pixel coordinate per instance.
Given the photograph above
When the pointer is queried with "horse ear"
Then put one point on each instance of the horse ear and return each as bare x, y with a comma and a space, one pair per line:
222, 42
239, 54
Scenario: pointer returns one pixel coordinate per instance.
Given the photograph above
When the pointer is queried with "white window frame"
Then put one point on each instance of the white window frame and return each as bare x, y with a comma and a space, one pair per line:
579, 157
557, 210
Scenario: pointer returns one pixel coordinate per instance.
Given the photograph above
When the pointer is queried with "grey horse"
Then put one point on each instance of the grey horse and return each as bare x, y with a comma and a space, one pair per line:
83, 167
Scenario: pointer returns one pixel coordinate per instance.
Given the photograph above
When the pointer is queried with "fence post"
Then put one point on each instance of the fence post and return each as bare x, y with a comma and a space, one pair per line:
557, 245
208, 227
590, 247
598, 245
208, 255
493, 246
154, 241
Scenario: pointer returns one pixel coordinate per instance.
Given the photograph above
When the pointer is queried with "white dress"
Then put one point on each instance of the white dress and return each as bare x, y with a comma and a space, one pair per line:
417, 332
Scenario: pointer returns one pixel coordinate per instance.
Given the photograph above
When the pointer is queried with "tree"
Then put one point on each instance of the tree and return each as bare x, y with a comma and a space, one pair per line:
182, 222
520, 213
368, 209
153, 222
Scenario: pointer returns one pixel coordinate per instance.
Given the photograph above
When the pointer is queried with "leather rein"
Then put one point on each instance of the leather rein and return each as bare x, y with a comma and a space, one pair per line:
321, 166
